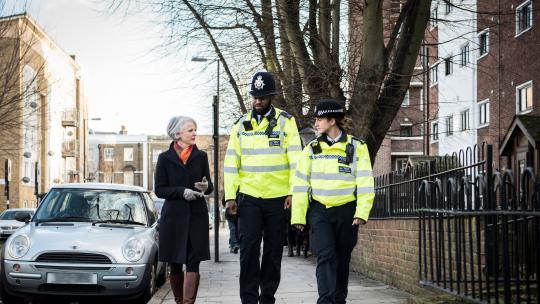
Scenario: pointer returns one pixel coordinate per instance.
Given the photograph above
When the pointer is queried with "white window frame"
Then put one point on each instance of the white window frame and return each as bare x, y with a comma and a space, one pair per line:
155, 154
480, 55
434, 139
448, 7
465, 124
486, 123
448, 66
518, 11
406, 159
108, 156
449, 123
465, 53
409, 125
406, 100
128, 154
434, 69
518, 89
434, 21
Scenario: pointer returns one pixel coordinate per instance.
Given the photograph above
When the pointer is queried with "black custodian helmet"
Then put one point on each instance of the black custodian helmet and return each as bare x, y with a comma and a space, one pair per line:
263, 84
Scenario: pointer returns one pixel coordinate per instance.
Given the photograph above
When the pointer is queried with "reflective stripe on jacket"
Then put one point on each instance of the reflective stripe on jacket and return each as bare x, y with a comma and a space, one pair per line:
262, 164
328, 178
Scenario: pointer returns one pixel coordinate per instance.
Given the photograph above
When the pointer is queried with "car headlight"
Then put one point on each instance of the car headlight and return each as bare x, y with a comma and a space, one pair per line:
133, 250
19, 246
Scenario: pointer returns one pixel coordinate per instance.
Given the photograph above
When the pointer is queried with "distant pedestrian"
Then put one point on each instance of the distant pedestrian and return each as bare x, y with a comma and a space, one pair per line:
333, 188
232, 222
182, 179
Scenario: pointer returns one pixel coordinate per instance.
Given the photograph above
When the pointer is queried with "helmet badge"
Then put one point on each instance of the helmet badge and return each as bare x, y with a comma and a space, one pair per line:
259, 83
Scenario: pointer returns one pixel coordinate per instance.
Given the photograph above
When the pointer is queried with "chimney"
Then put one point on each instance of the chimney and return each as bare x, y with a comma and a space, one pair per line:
123, 130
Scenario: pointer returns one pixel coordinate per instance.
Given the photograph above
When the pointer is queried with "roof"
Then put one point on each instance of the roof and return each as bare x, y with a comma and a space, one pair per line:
529, 125
100, 186
19, 209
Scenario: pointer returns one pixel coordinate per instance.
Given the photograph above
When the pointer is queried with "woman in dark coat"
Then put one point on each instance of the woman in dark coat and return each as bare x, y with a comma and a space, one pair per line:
182, 179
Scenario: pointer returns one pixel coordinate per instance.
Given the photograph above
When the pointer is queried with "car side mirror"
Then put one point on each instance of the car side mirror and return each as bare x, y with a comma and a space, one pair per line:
23, 217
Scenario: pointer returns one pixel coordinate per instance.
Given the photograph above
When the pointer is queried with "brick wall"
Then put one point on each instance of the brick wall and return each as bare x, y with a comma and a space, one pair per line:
387, 251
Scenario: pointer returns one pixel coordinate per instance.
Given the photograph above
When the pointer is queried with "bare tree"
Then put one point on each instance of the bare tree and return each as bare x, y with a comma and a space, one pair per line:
306, 45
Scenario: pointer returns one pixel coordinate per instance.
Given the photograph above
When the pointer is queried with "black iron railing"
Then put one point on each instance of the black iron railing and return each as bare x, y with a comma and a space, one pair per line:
479, 233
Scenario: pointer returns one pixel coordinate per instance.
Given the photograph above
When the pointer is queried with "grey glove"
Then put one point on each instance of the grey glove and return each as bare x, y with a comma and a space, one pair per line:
192, 195
202, 185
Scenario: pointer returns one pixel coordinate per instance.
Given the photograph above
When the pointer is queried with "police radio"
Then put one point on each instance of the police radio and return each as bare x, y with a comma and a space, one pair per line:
349, 152
247, 125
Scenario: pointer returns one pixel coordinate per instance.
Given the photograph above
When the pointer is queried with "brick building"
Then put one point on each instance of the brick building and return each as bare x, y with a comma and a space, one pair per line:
43, 124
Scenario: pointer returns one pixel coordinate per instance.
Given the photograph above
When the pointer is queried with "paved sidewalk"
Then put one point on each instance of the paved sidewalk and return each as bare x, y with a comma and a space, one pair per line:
219, 282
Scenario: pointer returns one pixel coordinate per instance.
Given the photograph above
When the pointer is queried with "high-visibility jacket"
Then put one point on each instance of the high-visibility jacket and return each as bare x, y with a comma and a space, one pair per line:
261, 158
325, 174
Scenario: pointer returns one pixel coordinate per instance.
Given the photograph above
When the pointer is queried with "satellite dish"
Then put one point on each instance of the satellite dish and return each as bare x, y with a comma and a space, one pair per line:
33, 104
50, 153
27, 154
26, 179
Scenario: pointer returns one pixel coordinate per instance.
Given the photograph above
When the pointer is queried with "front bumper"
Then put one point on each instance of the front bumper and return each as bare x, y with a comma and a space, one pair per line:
35, 279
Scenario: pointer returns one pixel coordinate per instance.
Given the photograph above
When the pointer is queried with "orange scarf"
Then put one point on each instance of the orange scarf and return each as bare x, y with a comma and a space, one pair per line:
183, 153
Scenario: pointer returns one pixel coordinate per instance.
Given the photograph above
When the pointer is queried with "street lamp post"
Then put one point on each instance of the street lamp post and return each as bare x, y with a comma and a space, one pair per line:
215, 106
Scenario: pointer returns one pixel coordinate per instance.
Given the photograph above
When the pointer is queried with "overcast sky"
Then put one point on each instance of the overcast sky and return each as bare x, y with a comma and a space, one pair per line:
126, 82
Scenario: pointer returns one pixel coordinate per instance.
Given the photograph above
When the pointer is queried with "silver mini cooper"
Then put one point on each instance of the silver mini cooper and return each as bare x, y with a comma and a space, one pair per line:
85, 240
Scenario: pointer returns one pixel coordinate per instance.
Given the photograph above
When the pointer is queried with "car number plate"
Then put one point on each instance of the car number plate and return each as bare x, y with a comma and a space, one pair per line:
71, 278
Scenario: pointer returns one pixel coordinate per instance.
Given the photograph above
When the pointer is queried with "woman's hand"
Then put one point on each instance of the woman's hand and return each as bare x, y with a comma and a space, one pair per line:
299, 227
192, 195
202, 185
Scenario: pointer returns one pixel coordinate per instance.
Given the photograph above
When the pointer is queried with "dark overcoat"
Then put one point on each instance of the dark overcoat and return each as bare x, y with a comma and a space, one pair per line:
182, 221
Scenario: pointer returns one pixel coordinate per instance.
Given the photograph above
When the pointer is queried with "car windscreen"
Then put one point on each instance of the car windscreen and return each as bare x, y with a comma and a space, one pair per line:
8, 215
89, 205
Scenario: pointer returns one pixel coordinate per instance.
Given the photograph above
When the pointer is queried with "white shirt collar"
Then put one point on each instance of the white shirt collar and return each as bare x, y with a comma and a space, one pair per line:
336, 139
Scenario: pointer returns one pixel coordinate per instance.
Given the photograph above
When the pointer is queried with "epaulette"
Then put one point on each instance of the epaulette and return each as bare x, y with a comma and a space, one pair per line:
286, 115
238, 120
359, 140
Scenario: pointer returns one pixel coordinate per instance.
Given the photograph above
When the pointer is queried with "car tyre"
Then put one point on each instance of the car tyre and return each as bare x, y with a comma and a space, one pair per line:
163, 277
150, 287
9, 299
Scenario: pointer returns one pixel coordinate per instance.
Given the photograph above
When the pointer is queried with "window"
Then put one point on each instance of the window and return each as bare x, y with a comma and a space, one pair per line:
434, 18
448, 66
523, 17
155, 155
401, 163
128, 154
483, 43
449, 126
435, 131
406, 101
483, 113
447, 7
434, 72
108, 154
405, 131
524, 97
464, 55
465, 120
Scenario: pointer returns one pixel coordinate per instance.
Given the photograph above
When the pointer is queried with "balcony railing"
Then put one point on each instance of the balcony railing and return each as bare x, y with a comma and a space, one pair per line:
70, 118
70, 148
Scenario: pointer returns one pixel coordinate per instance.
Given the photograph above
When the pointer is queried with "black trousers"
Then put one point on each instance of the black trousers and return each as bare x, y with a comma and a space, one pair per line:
332, 239
260, 219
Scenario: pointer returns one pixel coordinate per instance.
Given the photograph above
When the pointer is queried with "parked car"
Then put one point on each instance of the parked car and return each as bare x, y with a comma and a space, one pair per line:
8, 223
85, 240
